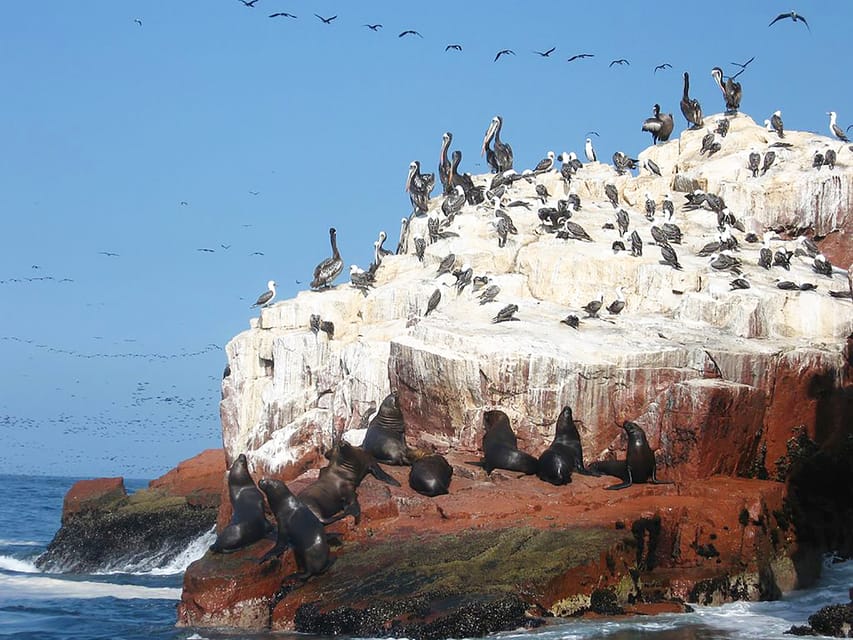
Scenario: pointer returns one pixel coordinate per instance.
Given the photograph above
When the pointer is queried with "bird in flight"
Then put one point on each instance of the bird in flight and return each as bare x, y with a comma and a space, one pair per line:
109, 254
255, 193
325, 20
581, 55
138, 21
619, 61
793, 15
503, 52
593, 133
282, 14
249, 3
744, 65
455, 47
665, 65
409, 32
373, 27
257, 253
206, 250
184, 203
545, 54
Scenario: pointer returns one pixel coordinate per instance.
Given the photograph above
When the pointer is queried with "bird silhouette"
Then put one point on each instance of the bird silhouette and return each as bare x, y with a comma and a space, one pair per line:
547, 53
503, 52
325, 20
744, 65
580, 56
620, 61
409, 32
249, 3
455, 47
373, 27
282, 14
665, 65
793, 15
138, 21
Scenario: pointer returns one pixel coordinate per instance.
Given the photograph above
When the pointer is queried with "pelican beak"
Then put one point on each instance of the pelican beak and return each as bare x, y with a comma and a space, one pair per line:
489, 133
409, 179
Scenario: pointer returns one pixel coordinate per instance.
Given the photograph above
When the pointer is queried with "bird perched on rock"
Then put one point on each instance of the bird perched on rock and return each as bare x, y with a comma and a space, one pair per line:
722, 127
636, 244
361, 279
651, 166
769, 159
314, 323
739, 283
817, 160
328, 327
754, 162
822, 266
420, 248
571, 320
725, 262
669, 257
667, 206
622, 221
612, 194
446, 265
707, 142
330, 268
489, 294
829, 158
506, 314
615, 307
546, 164
434, 299
776, 124
659, 125
594, 306
837, 131
782, 258
589, 150
267, 296
463, 278
651, 207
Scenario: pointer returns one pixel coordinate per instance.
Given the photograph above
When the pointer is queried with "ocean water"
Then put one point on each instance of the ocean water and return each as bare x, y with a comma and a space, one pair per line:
139, 602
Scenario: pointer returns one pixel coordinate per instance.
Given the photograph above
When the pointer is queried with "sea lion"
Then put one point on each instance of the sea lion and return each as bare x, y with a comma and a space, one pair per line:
499, 446
386, 433
248, 523
639, 464
331, 497
430, 475
298, 528
565, 454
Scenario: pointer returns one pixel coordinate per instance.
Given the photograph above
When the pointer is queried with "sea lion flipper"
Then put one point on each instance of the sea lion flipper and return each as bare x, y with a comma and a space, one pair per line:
629, 480
380, 474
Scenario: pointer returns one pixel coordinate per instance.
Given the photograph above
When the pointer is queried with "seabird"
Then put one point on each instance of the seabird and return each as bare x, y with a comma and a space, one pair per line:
489, 294
776, 123
745, 64
650, 207
769, 158
545, 164
829, 158
547, 53
409, 32
817, 160
793, 15
138, 21
419, 186
453, 202
732, 91
502, 151
658, 235
503, 52
765, 254
373, 27
667, 206
651, 166
722, 127
665, 65
360, 279
622, 221
835, 129
739, 283
328, 327
542, 192
754, 162
672, 232
249, 3
330, 268
669, 256
807, 286
580, 56
593, 306
382, 251
725, 262
572, 231
589, 150
690, 107
455, 47
787, 285
402, 242
571, 320
267, 296
707, 142
782, 258
420, 248
325, 20
636, 244
822, 266
434, 299
617, 246
282, 14
446, 265
506, 314
660, 126
612, 194
444, 163
618, 304
620, 61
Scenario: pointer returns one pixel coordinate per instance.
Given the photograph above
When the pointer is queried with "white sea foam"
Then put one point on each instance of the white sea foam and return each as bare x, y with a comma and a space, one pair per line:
19, 543
49, 587
8, 563
165, 562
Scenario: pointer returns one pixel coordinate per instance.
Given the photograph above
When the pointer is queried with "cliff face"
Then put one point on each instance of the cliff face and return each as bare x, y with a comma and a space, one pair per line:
727, 384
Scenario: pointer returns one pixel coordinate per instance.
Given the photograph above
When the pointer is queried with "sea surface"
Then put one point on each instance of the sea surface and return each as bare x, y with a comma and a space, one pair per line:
139, 602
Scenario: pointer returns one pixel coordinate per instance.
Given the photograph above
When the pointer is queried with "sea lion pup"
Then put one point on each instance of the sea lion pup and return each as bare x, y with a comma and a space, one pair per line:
565, 454
331, 497
499, 446
248, 523
298, 528
430, 473
639, 464
386, 433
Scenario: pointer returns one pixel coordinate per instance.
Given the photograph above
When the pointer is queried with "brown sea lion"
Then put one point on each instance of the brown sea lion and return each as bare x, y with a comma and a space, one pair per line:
297, 528
639, 465
565, 453
332, 495
430, 475
386, 433
248, 523
499, 446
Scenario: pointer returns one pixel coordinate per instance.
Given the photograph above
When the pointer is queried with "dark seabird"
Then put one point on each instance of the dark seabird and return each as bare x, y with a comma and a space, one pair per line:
732, 91
489, 294
650, 207
807, 246
314, 323
361, 279
330, 268
745, 64
623, 163
402, 243
652, 166
503, 152
765, 254
658, 235
817, 160
380, 250
282, 14
672, 232
503, 229
574, 200
545, 164
373, 27
829, 158
776, 123
787, 285
620, 61
478, 282
542, 192
446, 265
636, 244
739, 283
581, 56
667, 206
782, 258
571, 320
725, 262
589, 150
444, 163
707, 142
324, 20
453, 202
434, 299
409, 32
612, 194
714, 148
547, 53
249, 3
419, 186
660, 126
793, 15
420, 248
669, 256
506, 314
769, 159
617, 246
709, 248
573, 231
267, 296
454, 47
722, 127
754, 162
567, 170
808, 286
622, 221
618, 304
594, 306
473, 194
822, 266
663, 66
690, 107
503, 52
328, 327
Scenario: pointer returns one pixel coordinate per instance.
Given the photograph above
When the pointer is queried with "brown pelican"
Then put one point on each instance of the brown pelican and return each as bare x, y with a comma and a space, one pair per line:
444, 163
267, 296
834, 128
660, 126
330, 268
690, 107
776, 123
503, 152
473, 195
419, 186
731, 90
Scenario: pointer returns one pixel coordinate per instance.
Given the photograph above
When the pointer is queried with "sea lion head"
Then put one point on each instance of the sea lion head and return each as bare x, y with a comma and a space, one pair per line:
273, 488
239, 468
391, 404
495, 419
566, 416
634, 431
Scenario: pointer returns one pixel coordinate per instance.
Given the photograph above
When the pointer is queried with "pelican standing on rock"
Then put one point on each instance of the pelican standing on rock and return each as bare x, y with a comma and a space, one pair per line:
690, 107
732, 91
589, 150
660, 126
834, 128
776, 123
502, 150
267, 296
444, 163
330, 268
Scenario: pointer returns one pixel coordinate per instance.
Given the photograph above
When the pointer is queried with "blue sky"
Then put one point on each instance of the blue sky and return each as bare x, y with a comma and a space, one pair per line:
272, 130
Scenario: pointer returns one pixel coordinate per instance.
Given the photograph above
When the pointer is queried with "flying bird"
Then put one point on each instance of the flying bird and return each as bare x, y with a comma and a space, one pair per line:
109, 254
373, 27
619, 61
547, 53
745, 64
580, 55
503, 52
138, 21
665, 65
410, 32
455, 47
793, 15
206, 250
325, 20
282, 14
249, 3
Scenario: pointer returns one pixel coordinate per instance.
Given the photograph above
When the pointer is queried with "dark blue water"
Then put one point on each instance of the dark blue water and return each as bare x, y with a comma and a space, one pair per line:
140, 602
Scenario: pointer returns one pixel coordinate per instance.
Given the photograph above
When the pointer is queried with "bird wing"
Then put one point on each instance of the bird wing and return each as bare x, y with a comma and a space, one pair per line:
779, 17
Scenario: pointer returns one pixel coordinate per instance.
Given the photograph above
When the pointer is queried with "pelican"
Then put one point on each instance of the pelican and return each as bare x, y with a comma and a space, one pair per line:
776, 123
589, 150
660, 126
444, 163
330, 268
266, 297
732, 91
502, 151
834, 128
690, 107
